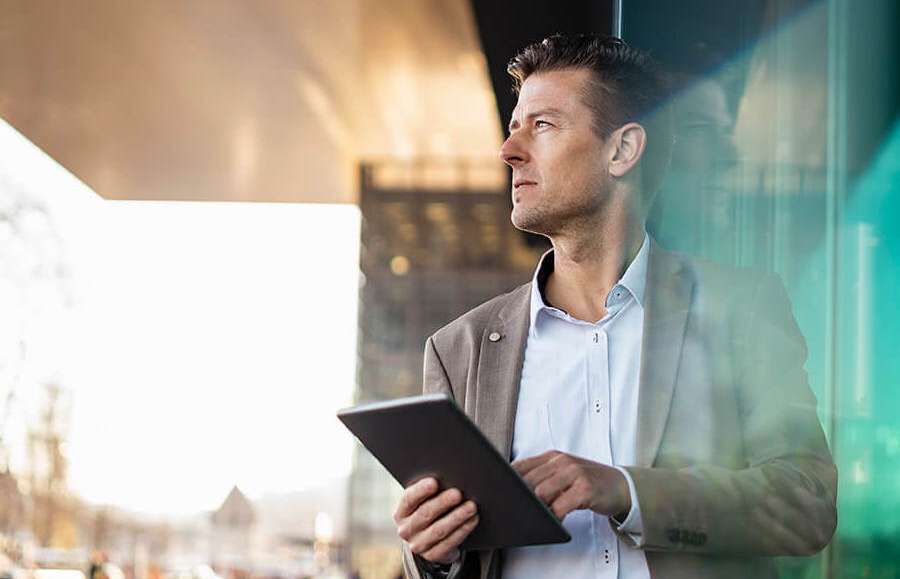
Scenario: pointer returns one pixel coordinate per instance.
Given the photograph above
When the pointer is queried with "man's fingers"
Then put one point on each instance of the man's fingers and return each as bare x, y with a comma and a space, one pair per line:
438, 531
555, 464
573, 498
526, 465
447, 550
816, 507
784, 512
413, 496
554, 484
788, 528
777, 536
795, 517
428, 512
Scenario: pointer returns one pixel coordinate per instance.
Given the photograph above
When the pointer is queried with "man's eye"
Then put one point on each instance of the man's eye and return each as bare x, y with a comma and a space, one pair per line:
541, 124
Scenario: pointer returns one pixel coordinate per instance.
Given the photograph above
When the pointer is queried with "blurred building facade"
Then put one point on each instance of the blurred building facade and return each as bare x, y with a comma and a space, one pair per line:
436, 242
233, 532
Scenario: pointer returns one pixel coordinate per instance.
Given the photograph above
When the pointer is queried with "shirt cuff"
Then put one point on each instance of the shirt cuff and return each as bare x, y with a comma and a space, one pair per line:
633, 525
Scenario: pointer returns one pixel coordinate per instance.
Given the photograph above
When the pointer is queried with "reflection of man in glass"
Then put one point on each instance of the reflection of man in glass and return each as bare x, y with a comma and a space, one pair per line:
658, 404
692, 211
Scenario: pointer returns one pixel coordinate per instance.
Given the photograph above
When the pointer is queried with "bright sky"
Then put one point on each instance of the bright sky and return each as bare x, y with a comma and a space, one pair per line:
210, 344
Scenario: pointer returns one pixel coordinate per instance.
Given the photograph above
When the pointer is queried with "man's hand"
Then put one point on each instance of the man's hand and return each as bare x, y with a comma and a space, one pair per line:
567, 483
425, 520
783, 514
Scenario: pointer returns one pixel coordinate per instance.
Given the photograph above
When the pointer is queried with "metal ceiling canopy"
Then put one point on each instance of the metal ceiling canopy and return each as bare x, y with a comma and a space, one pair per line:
243, 101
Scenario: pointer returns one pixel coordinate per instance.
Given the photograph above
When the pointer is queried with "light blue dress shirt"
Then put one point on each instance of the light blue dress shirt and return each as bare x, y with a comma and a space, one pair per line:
579, 395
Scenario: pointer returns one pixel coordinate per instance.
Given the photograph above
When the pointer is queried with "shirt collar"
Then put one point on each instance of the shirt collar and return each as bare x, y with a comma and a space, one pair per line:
634, 279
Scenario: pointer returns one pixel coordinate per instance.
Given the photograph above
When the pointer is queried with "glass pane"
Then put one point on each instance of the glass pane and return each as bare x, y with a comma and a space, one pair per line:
786, 160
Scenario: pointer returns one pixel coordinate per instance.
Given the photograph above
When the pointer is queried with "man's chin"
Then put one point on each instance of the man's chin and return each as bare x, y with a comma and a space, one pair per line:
528, 222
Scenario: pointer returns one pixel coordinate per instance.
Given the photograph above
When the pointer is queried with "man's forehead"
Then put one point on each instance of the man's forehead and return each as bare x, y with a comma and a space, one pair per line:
560, 91
544, 106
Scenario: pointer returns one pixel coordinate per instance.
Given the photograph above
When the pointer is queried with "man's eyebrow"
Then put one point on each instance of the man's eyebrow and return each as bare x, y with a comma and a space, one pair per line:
544, 112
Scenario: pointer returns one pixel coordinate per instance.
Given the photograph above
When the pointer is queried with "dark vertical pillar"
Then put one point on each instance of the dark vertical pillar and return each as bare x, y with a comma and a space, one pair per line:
505, 27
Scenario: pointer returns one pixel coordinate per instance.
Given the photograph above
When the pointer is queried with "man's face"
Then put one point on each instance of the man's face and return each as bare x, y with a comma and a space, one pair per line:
559, 171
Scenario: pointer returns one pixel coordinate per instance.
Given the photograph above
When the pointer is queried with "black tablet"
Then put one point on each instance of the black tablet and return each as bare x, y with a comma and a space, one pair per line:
430, 436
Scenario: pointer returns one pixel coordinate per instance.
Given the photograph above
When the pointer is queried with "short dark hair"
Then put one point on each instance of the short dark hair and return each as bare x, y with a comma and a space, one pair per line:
629, 86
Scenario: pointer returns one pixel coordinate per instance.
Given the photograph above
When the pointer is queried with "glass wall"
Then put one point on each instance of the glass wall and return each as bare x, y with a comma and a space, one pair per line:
787, 159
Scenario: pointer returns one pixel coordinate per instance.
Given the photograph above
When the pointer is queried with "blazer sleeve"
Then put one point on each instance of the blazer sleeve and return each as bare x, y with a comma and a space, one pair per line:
435, 381
784, 501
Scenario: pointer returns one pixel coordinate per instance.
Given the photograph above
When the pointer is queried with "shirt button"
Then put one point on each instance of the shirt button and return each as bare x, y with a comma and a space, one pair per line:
494, 337
598, 406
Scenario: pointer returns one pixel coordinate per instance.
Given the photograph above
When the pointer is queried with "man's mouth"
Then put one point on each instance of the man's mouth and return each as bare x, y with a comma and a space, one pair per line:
522, 183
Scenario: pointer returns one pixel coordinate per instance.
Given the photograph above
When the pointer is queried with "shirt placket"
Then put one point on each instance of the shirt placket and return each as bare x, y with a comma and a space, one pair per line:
606, 545
599, 392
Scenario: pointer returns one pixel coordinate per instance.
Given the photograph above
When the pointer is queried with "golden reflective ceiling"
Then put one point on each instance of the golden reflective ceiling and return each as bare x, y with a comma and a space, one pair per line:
275, 100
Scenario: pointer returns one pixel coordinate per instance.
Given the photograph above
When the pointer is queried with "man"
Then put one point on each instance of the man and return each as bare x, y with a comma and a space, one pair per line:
658, 404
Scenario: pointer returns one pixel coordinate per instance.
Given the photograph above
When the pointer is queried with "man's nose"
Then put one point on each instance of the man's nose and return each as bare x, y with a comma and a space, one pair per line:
729, 156
511, 151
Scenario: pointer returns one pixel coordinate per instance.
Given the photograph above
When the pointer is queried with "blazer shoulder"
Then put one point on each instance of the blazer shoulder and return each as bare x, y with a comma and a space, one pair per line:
472, 324
727, 282
741, 299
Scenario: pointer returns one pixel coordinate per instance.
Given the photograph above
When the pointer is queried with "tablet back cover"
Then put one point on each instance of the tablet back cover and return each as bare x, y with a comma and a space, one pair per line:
430, 436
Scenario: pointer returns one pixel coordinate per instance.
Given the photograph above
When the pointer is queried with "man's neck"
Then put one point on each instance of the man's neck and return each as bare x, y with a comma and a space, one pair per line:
586, 267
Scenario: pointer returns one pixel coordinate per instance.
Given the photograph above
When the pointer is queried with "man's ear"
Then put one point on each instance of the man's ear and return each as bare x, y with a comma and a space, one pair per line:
627, 145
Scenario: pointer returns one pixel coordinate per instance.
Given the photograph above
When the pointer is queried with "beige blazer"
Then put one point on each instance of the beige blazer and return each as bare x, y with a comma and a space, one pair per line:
726, 419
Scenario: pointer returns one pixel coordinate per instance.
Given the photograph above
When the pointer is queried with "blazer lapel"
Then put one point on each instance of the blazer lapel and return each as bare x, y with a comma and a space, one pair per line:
500, 369
497, 384
669, 292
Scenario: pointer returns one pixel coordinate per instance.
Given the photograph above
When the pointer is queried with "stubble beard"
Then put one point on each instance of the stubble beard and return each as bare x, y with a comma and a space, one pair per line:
539, 220
549, 219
